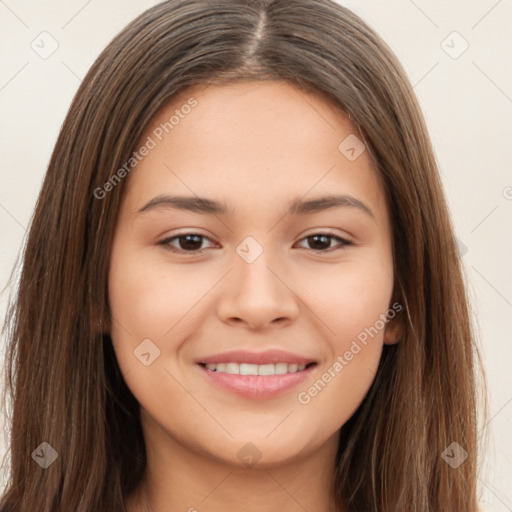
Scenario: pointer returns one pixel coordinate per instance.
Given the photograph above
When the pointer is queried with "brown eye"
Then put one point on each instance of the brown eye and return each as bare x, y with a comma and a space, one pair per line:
321, 241
187, 242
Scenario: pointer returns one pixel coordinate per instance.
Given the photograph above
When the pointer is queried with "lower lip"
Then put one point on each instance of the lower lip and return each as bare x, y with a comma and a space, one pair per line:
257, 386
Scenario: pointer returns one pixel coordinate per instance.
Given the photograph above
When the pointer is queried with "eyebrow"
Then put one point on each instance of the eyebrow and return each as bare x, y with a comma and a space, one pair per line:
204, 205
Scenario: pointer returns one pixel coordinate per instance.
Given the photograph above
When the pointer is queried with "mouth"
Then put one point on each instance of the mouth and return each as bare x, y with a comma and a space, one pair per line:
233, 368
256, 375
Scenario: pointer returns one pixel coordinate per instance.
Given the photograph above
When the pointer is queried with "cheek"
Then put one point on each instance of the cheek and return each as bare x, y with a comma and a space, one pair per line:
153, 301
351, 303
152, 313
348, 298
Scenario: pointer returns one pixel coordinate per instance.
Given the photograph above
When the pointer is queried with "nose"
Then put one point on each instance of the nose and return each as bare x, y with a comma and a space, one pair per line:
257, 296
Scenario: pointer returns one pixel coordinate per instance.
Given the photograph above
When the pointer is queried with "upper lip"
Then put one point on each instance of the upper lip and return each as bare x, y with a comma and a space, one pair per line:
272, 356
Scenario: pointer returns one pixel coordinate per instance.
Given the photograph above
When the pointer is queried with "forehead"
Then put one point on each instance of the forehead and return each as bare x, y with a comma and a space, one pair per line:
264, 140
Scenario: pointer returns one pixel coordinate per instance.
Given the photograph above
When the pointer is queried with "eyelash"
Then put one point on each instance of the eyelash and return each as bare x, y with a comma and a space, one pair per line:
166, 243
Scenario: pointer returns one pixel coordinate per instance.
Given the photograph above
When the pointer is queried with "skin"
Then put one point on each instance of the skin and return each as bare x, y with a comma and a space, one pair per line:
256, 146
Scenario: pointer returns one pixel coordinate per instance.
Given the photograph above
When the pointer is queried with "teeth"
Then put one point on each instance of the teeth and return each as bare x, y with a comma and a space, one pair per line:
247, 369
280, 368
256, 369
232, 368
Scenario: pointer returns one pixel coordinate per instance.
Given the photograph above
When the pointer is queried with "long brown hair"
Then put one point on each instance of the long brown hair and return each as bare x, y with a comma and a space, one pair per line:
63, 379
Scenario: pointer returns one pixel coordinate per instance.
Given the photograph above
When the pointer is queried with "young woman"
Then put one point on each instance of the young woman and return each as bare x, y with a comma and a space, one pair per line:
241, 287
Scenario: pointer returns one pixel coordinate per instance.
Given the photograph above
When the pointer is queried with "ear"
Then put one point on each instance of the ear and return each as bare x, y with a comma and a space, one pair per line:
393, 333
395, 327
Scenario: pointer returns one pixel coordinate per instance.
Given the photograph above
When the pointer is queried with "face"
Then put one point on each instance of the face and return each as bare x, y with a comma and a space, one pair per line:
248, 309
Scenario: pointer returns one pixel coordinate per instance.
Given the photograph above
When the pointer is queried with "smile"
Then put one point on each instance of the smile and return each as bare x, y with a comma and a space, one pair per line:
255, 369
261, 375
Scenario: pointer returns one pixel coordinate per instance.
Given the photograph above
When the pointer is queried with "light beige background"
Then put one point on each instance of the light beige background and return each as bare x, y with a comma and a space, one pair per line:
466, 98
